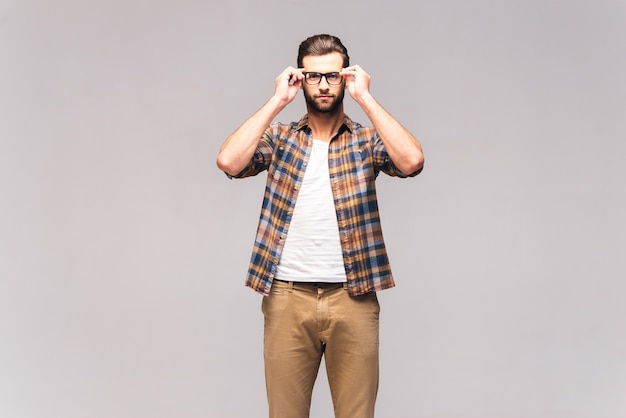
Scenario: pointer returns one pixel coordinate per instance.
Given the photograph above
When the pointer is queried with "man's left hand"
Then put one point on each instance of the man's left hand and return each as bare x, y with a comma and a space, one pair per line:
357, 81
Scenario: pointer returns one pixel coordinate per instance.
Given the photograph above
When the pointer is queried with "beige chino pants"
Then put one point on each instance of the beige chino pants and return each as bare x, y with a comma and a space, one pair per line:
304, 322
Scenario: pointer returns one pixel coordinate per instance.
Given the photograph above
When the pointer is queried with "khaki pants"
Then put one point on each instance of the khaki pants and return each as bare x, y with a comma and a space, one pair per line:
303, 322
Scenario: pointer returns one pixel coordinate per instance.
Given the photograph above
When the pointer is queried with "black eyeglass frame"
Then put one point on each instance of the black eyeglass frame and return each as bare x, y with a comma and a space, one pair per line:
322, 75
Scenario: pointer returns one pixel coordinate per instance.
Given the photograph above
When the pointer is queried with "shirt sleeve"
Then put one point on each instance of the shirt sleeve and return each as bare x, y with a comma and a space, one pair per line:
384, 163
262, 157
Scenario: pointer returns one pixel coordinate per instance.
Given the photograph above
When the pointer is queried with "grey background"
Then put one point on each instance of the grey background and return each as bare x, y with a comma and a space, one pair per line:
123, 248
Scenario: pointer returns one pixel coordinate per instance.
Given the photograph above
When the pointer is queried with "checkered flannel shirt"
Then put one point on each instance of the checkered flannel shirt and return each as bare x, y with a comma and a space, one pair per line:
356, 155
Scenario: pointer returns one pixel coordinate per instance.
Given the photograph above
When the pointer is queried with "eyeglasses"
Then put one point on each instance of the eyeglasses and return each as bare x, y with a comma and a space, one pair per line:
314, 79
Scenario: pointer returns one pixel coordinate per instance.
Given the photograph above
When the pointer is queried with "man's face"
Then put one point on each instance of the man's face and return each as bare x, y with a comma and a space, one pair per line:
323, 97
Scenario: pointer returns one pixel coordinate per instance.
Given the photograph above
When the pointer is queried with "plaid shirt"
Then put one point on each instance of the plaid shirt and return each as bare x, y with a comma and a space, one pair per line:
356, 155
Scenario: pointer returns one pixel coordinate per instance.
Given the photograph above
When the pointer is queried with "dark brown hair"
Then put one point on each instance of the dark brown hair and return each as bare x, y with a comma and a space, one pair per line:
321, 45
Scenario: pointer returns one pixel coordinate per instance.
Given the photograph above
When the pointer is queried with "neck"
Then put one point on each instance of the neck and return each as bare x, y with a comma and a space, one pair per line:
325, 125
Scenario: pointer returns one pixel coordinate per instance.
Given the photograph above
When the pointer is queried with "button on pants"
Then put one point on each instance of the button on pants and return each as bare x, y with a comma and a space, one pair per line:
304, 322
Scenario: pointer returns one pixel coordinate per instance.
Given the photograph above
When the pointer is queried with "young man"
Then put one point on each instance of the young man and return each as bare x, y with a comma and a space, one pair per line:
319, 256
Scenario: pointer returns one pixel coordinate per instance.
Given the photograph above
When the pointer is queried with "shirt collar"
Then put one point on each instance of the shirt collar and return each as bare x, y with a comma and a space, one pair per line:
346, 125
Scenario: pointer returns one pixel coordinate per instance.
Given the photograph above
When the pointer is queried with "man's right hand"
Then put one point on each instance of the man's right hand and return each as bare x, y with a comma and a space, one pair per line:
239, 147
287, 84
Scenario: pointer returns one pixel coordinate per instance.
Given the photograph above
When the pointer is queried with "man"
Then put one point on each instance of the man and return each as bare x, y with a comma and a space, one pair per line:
319, 256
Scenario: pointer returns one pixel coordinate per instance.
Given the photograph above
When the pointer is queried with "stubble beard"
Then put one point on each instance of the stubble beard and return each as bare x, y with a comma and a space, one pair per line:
329, 107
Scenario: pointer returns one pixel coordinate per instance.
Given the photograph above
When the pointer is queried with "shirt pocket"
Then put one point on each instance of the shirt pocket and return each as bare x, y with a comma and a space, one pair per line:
285, 166
361, 170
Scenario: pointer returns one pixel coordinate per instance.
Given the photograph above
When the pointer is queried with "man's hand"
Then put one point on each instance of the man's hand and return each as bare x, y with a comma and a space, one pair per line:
357, 82
404, 150
287, 84
239, 147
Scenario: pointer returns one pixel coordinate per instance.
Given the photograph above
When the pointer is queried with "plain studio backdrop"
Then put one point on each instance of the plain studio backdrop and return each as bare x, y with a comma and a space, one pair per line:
123, 249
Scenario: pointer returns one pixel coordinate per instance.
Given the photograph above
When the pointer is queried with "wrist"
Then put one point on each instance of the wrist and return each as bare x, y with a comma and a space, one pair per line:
365, 100
278, 102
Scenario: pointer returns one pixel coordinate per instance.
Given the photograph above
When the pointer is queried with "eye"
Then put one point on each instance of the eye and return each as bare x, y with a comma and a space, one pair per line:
333, 76
313, 76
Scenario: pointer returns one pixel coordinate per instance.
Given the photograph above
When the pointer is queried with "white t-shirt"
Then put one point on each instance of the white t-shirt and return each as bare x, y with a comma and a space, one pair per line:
312, 251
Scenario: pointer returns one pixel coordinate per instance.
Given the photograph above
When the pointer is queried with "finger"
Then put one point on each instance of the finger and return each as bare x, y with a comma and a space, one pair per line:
291, 75
296, 74
294, 81
348, 75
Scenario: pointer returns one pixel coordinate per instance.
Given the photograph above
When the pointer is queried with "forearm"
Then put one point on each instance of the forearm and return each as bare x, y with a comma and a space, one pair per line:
404, 150
239, 147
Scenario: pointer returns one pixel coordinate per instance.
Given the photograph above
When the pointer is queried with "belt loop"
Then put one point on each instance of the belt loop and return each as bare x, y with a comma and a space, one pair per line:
345, 285
290, 288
